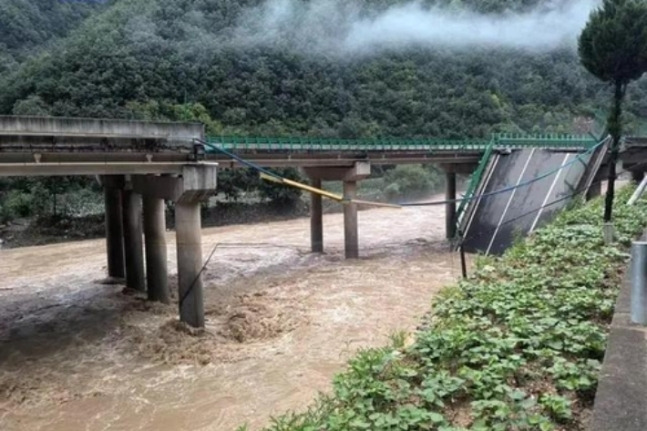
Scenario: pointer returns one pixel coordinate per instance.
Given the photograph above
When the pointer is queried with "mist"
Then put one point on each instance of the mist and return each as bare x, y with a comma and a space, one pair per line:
335, 27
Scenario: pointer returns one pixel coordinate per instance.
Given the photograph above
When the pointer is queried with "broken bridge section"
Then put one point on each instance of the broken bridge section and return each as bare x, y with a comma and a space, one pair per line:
140, 166
143, 164
521, 190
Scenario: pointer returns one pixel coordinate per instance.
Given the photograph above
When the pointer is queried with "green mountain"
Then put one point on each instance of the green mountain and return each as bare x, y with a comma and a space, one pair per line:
26, 26
179, 59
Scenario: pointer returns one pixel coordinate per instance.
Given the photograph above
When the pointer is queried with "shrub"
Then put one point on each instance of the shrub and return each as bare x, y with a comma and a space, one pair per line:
405, 180
18, 204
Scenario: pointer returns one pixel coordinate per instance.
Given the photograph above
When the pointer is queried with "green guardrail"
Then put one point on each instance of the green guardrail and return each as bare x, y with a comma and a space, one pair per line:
241, 143
475, 180
327, 144
545, 140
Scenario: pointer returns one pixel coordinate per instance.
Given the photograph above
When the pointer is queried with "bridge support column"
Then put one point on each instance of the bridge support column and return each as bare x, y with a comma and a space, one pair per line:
450, 207
351, 236
316, 218
189, 262
594, 191
155, 238
350, 175
132, 215
114, 227
196, 183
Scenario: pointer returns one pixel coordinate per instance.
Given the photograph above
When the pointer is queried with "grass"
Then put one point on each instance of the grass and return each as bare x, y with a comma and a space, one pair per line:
517, 346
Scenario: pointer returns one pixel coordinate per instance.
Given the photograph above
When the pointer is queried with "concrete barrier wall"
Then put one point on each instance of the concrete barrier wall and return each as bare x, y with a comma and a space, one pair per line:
58, 126
621, 398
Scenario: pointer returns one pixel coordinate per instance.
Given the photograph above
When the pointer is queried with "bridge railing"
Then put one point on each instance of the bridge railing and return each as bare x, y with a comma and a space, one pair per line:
544, 140
473, 184
239, 143
331, 144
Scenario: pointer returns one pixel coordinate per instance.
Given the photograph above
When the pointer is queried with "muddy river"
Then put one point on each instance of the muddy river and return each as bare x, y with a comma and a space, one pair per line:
79, 355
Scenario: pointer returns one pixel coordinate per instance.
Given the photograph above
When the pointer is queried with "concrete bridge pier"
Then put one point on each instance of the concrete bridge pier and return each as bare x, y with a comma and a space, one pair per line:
351, 230
112, 185
451, 171
195, 184
155, 240
133, 245
350, 176
594, 191
637, 175
316, 218
450, 207
189, 262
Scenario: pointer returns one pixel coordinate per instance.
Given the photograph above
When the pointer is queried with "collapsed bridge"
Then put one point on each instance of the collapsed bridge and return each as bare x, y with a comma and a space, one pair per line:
143, 164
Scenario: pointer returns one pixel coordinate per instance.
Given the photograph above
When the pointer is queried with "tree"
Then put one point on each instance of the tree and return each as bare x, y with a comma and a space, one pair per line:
613, 47
32, 105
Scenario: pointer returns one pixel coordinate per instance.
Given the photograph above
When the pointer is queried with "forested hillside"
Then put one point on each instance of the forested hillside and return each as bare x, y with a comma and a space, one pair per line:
290, 67
179, 59
29, 25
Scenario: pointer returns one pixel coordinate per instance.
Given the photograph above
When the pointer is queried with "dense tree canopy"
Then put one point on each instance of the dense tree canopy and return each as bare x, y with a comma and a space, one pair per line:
27, 25
139, 55
613, 45
179, 60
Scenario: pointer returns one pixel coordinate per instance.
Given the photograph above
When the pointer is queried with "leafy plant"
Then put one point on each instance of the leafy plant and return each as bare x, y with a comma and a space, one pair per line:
559, 407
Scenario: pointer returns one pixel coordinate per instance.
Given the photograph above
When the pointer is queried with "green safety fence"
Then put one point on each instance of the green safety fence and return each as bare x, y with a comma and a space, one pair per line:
242, 143
475, 180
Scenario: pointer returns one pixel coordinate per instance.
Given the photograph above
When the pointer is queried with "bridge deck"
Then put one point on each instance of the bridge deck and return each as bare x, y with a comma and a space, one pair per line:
511, 141
98, 128
71, 146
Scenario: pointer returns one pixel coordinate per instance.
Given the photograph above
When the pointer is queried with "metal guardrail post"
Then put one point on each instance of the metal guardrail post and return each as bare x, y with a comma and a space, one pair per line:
638, 192
639, 282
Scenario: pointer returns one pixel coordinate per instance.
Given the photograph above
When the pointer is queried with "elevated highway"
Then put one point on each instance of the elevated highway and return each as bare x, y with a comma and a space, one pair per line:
140, 165
143, 164
73, 146
466, 153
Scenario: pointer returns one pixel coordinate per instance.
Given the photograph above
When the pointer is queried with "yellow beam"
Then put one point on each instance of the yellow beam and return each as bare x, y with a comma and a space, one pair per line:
311, 189
329, 195
266, 177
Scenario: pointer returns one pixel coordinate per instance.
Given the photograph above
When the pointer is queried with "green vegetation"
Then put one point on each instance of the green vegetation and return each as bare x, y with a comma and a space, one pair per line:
517, 346
411, 181
28, 26
613, 47
56, 196
397, 183
389, 183
135, 59
174, 60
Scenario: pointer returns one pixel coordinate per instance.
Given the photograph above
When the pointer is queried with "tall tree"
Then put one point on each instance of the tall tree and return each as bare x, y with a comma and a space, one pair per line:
613, 47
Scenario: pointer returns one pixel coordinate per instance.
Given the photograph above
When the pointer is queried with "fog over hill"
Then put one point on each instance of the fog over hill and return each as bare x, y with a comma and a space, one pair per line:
334, 26
325, 68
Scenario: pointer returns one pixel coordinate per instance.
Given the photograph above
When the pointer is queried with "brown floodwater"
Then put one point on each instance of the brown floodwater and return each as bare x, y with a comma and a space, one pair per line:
79, 355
